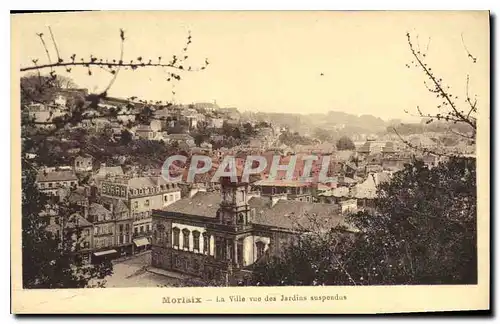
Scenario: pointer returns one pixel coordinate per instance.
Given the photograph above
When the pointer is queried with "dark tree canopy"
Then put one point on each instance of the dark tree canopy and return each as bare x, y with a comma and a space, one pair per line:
423, 232
48, 261
345, 143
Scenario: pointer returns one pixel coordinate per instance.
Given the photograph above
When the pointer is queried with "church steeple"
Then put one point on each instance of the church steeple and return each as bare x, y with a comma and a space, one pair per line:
234, 207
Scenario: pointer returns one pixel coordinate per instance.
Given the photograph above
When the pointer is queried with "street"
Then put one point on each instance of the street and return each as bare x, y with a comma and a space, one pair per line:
132, 273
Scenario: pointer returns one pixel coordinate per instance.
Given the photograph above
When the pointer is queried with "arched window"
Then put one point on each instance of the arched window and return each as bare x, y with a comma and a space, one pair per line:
185, 239
196, 241
176, 234
260, 249
241, 218
206, 243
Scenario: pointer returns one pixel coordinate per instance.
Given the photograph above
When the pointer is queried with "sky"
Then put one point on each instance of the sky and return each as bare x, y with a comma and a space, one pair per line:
296, 62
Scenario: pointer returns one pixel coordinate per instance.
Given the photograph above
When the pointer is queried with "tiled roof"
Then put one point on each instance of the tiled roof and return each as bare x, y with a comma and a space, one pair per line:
203, 204
96, 209
115, 170
119, 204
56, 176
295, 215
76, 197
284, 214
77, 219
281, 183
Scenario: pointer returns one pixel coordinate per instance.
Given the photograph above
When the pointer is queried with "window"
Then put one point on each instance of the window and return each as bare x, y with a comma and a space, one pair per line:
50, 184
147, 228
136, 230
142, 229
185, 239
120, 239
196, 241
110, 229
136, 204
241, 218
127, 228
260, 249
220, 248
176, 235
206, 243
165, 198
146, 203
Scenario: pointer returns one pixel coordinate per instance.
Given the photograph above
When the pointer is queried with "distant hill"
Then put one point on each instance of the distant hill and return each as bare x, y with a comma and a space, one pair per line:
341, 122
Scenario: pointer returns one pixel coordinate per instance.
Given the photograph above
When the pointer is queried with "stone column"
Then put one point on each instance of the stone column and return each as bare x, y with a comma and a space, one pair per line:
235, 253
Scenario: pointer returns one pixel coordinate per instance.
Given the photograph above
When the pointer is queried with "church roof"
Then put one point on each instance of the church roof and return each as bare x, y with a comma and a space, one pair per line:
204, 204
286, 214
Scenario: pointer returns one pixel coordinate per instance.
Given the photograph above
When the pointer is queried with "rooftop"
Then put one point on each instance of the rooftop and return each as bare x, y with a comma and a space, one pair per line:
287, 214
56, 176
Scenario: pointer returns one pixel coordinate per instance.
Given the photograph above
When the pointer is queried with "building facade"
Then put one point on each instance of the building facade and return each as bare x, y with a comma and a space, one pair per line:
221, 236
141, 195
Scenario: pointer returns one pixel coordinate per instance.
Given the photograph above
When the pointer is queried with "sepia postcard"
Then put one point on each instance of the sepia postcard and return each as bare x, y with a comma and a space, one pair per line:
285, 162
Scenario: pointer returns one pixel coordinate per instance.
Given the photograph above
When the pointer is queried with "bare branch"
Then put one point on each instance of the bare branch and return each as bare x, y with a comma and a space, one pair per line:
469, 55
59, 60
422, 149
115, 72
35, 67
439, 87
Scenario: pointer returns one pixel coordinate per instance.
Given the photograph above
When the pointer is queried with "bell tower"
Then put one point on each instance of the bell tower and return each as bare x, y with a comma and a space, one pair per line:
234, 209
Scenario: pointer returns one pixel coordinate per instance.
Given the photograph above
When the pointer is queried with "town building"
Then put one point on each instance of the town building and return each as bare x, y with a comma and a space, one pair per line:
49, 182
123, 224
291, 189
222, 236
104, 232
83, 164
141, 195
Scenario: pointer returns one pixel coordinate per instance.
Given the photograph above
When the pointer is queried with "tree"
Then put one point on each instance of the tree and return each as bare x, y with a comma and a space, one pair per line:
126, 137
322, 134
456, 116
423, 232
48, 261
345, 143
310, 260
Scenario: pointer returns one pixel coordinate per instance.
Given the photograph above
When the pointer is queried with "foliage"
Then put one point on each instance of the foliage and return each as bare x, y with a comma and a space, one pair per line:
292, 139
51, 132
423, 232
48, 261
322, 134
460, 119
345, 143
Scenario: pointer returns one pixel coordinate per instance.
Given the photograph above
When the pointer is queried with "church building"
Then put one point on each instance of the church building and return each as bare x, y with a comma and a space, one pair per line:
219, 236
